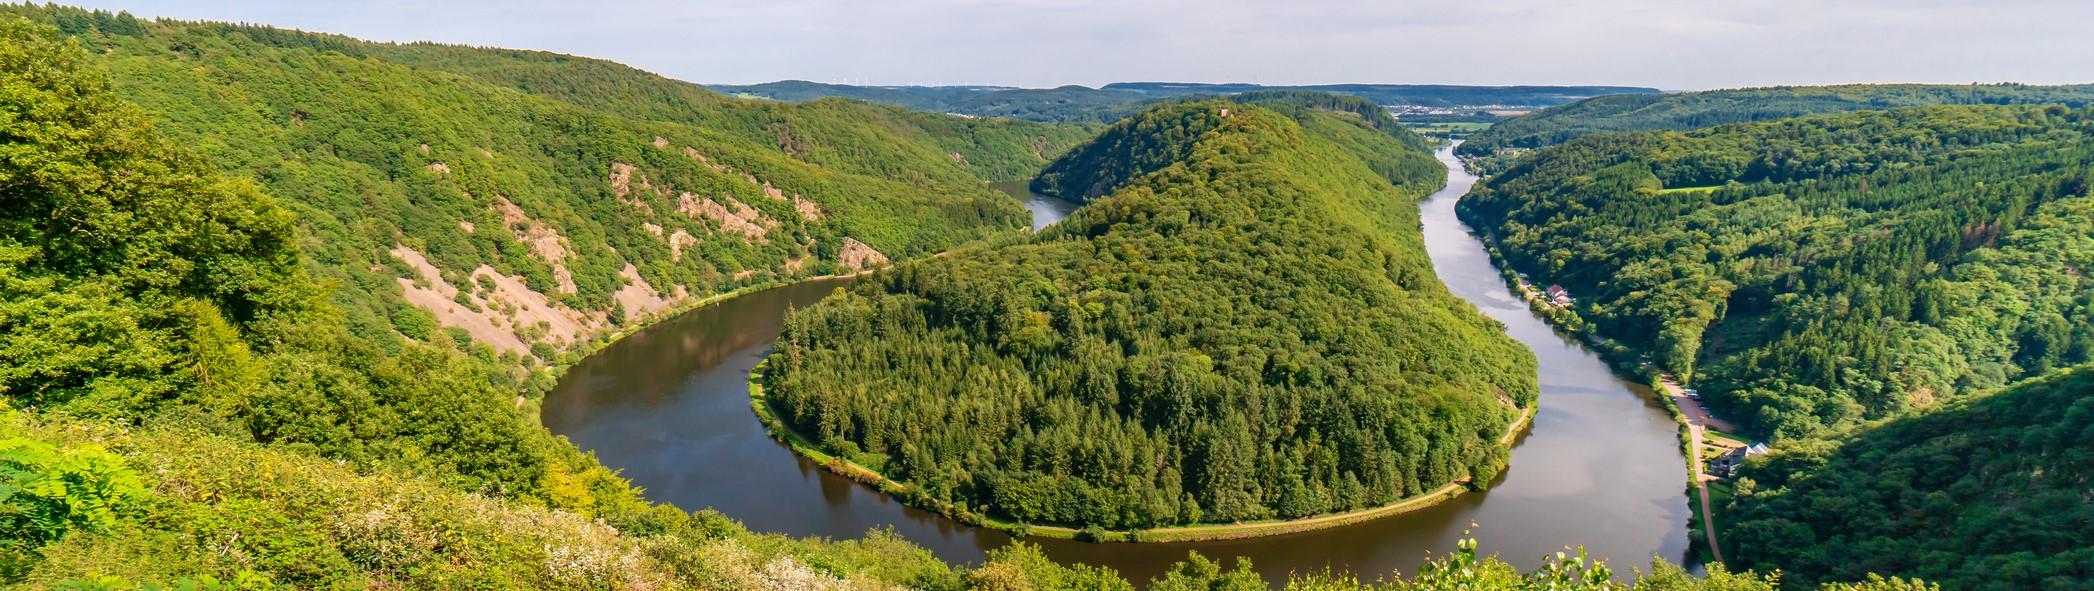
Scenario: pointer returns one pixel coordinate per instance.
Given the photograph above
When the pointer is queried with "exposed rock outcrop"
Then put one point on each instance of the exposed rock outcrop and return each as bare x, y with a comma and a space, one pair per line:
858, 256
546, 243
508, 316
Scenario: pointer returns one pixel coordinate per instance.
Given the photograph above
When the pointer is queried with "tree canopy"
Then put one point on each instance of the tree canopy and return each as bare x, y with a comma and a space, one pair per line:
206, 387
1987, 492
1817, 272
605, 192
1241, 324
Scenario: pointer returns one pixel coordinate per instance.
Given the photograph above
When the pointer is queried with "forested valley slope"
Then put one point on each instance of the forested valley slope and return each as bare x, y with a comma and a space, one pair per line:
1241, 324
1817, 272
1986, 492
1899, 299
204, 383
212, 373
532, 202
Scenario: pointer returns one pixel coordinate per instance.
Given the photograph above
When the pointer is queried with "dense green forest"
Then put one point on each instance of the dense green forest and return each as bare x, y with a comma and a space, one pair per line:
1111, 160
530, 202
1987, 492
1116, 100
143, 293
1245, 326
1817, 272
1694, 110
184, 406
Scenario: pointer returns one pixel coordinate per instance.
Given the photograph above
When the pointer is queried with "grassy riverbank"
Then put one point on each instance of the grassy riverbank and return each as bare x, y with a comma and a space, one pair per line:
1188, 533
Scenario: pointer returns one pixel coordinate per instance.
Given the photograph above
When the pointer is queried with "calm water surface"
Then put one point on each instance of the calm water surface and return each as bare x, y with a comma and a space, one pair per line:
1600, 467
1045, 209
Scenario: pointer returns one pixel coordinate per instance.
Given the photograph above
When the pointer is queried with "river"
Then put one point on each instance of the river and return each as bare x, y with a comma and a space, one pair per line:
1045, 210
1600, 467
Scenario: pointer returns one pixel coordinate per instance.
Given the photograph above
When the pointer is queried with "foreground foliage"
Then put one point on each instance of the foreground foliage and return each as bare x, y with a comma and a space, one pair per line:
217, 514
138, 287
1245, 327
1818, 272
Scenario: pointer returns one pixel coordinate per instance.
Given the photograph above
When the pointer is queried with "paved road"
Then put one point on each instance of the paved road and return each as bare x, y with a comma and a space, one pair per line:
1698, 420
1697, 414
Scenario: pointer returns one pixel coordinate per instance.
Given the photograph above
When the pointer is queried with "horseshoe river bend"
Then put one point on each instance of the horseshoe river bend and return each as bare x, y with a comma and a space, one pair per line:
1600, 466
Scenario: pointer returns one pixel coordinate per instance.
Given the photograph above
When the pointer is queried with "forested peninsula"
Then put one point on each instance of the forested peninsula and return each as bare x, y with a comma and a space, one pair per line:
1242, 324
276, 308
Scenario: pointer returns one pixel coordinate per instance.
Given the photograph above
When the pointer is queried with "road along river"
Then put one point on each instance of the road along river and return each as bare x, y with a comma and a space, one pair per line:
1600, 467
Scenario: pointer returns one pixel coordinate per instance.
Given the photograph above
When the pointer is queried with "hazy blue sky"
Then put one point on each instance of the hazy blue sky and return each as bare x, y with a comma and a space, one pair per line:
1672, 44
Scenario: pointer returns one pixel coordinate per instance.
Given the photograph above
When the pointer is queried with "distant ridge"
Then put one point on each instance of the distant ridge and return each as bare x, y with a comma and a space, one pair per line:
1112, 101
1694, 110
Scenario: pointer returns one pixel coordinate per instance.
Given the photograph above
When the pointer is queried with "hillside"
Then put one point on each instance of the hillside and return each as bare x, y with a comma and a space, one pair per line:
1243, 326
1112, 101
1987, 492
1814, 273
139, 287
1695, 110
532, 202
1109, 161
182, 406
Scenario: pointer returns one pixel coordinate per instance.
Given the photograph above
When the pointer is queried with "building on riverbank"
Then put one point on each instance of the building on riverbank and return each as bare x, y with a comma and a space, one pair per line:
1725, 464
1558, 296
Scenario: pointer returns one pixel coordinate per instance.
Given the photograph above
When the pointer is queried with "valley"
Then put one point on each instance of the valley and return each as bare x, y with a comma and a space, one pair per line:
668, 407
286, 310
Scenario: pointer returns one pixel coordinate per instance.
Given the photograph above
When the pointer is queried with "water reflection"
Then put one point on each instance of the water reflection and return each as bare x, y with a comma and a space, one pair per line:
1599, 467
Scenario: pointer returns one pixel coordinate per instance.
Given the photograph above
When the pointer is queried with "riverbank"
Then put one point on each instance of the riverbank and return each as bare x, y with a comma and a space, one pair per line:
1598, 465
566, 360
553, 372
785, 434
1626, 361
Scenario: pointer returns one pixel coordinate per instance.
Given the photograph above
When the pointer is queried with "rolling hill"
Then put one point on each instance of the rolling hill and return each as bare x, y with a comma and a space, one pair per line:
1241, 324
212, 376
535, 201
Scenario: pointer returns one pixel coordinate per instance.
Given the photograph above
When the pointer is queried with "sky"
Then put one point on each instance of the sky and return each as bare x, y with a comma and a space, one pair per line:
1668, 44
